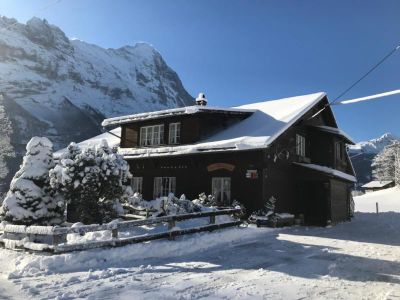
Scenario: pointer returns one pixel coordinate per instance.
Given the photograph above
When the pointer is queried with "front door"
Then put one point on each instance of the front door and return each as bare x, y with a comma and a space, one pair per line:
221, 190
315, 201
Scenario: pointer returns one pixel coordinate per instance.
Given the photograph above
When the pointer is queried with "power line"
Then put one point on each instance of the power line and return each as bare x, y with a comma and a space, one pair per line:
380, 62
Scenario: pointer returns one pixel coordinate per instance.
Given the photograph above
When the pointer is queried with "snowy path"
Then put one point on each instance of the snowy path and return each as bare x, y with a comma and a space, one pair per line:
357, 260
353, 260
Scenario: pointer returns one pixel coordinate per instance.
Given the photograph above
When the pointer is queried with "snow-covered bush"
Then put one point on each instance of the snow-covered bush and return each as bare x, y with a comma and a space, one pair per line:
91, 181
268, 211
205, 200
386, 164
30, 199
165, 206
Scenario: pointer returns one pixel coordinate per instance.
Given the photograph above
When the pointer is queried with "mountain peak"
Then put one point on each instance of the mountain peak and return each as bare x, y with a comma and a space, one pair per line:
374, 146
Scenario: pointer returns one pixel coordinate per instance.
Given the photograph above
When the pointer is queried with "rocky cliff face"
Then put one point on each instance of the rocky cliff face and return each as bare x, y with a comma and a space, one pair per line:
62, 89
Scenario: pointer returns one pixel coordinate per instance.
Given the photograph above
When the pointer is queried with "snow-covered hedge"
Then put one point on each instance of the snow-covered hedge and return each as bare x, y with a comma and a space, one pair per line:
170, 205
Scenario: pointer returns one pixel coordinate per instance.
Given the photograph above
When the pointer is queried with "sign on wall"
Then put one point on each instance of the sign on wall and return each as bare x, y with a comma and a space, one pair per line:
220, 166
252, 174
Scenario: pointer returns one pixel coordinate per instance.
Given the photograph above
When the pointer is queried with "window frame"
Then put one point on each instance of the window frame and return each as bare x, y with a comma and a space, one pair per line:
300, 145
152, 135
137, 184
174, 133
339, 151
163, 186
219, 183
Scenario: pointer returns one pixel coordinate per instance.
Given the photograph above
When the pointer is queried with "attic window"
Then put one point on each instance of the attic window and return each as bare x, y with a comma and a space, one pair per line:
152, 135
174, 133
300, 145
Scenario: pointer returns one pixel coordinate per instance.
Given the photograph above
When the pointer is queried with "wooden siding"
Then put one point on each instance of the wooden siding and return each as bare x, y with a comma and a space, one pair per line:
193, 127
298, 190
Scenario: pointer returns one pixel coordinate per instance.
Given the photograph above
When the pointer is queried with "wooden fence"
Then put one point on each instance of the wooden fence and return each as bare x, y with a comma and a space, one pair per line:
54, 239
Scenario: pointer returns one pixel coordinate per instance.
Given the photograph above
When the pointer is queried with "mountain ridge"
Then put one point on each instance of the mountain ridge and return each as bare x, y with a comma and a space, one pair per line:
63, 88
363, 153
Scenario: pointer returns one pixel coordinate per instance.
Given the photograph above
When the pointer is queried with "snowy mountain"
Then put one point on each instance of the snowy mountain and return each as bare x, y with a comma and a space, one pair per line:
362, 154
61, 88
373, 146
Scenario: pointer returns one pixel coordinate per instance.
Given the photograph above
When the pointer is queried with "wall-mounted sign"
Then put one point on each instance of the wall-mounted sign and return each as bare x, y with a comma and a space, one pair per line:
220, 166
252, 174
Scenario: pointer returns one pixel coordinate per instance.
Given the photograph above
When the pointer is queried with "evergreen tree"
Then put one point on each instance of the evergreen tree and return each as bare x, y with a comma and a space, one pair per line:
6, 149
91, 181
30, 199
386, 164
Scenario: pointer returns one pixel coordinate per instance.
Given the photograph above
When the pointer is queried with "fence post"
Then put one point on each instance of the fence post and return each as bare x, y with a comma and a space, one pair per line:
171, 224
377, 208
114, 233
59, 239
212, 219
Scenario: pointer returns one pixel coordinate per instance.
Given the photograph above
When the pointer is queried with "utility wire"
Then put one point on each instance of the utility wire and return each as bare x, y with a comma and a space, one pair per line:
380, 62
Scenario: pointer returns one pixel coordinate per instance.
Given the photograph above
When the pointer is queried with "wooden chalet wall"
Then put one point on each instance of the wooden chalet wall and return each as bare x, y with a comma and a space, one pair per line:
193, 127
298, 190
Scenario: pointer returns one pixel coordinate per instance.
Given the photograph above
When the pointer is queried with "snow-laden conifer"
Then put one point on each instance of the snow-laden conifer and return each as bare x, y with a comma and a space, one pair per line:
91, 181
386, 164
30, 199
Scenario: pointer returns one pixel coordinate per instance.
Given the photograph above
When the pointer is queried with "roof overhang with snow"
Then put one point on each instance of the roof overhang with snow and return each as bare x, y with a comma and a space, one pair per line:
188, 110
377, 184
268, 120
335, 131
328, 171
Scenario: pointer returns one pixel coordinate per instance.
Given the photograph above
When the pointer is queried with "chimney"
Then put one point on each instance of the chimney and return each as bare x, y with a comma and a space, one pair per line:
201, 99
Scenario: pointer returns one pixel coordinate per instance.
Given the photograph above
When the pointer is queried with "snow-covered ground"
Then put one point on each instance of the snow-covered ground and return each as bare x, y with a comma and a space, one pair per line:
353, 260
388, 200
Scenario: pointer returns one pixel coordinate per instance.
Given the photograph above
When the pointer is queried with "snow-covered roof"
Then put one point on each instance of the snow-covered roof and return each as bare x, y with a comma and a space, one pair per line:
377, 184
336, 131
328, 170
188, 110
267, 122
111, 139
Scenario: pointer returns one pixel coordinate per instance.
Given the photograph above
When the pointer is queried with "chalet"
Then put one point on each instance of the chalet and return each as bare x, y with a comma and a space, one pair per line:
248, 153
377, 185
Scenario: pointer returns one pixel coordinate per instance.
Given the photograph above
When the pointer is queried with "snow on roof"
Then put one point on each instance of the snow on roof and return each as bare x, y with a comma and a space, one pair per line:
328, 170
377, 184
111, 139
269, 120
336, 131
188, 110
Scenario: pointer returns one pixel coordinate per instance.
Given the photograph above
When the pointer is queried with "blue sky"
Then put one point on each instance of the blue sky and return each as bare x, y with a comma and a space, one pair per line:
246, 51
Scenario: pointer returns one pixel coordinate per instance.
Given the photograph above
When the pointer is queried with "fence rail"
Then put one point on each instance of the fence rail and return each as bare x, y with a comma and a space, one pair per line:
54, 239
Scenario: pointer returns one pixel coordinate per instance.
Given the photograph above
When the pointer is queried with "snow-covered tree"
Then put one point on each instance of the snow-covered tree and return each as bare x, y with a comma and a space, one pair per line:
30, 199
386, 164
6, 149
91, 181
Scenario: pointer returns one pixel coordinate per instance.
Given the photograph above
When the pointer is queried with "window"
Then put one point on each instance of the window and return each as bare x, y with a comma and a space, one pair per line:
174, 133
221, 190
137, 183
300, 145
152, 135
339, 151
163, 186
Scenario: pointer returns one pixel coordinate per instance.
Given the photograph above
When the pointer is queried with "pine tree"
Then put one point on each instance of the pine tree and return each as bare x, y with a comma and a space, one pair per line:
6, 149
91, 181
30, 199
386, 164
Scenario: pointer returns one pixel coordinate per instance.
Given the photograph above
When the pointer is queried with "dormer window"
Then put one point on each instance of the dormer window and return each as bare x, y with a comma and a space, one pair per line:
174, 133
300, 145
152, 135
